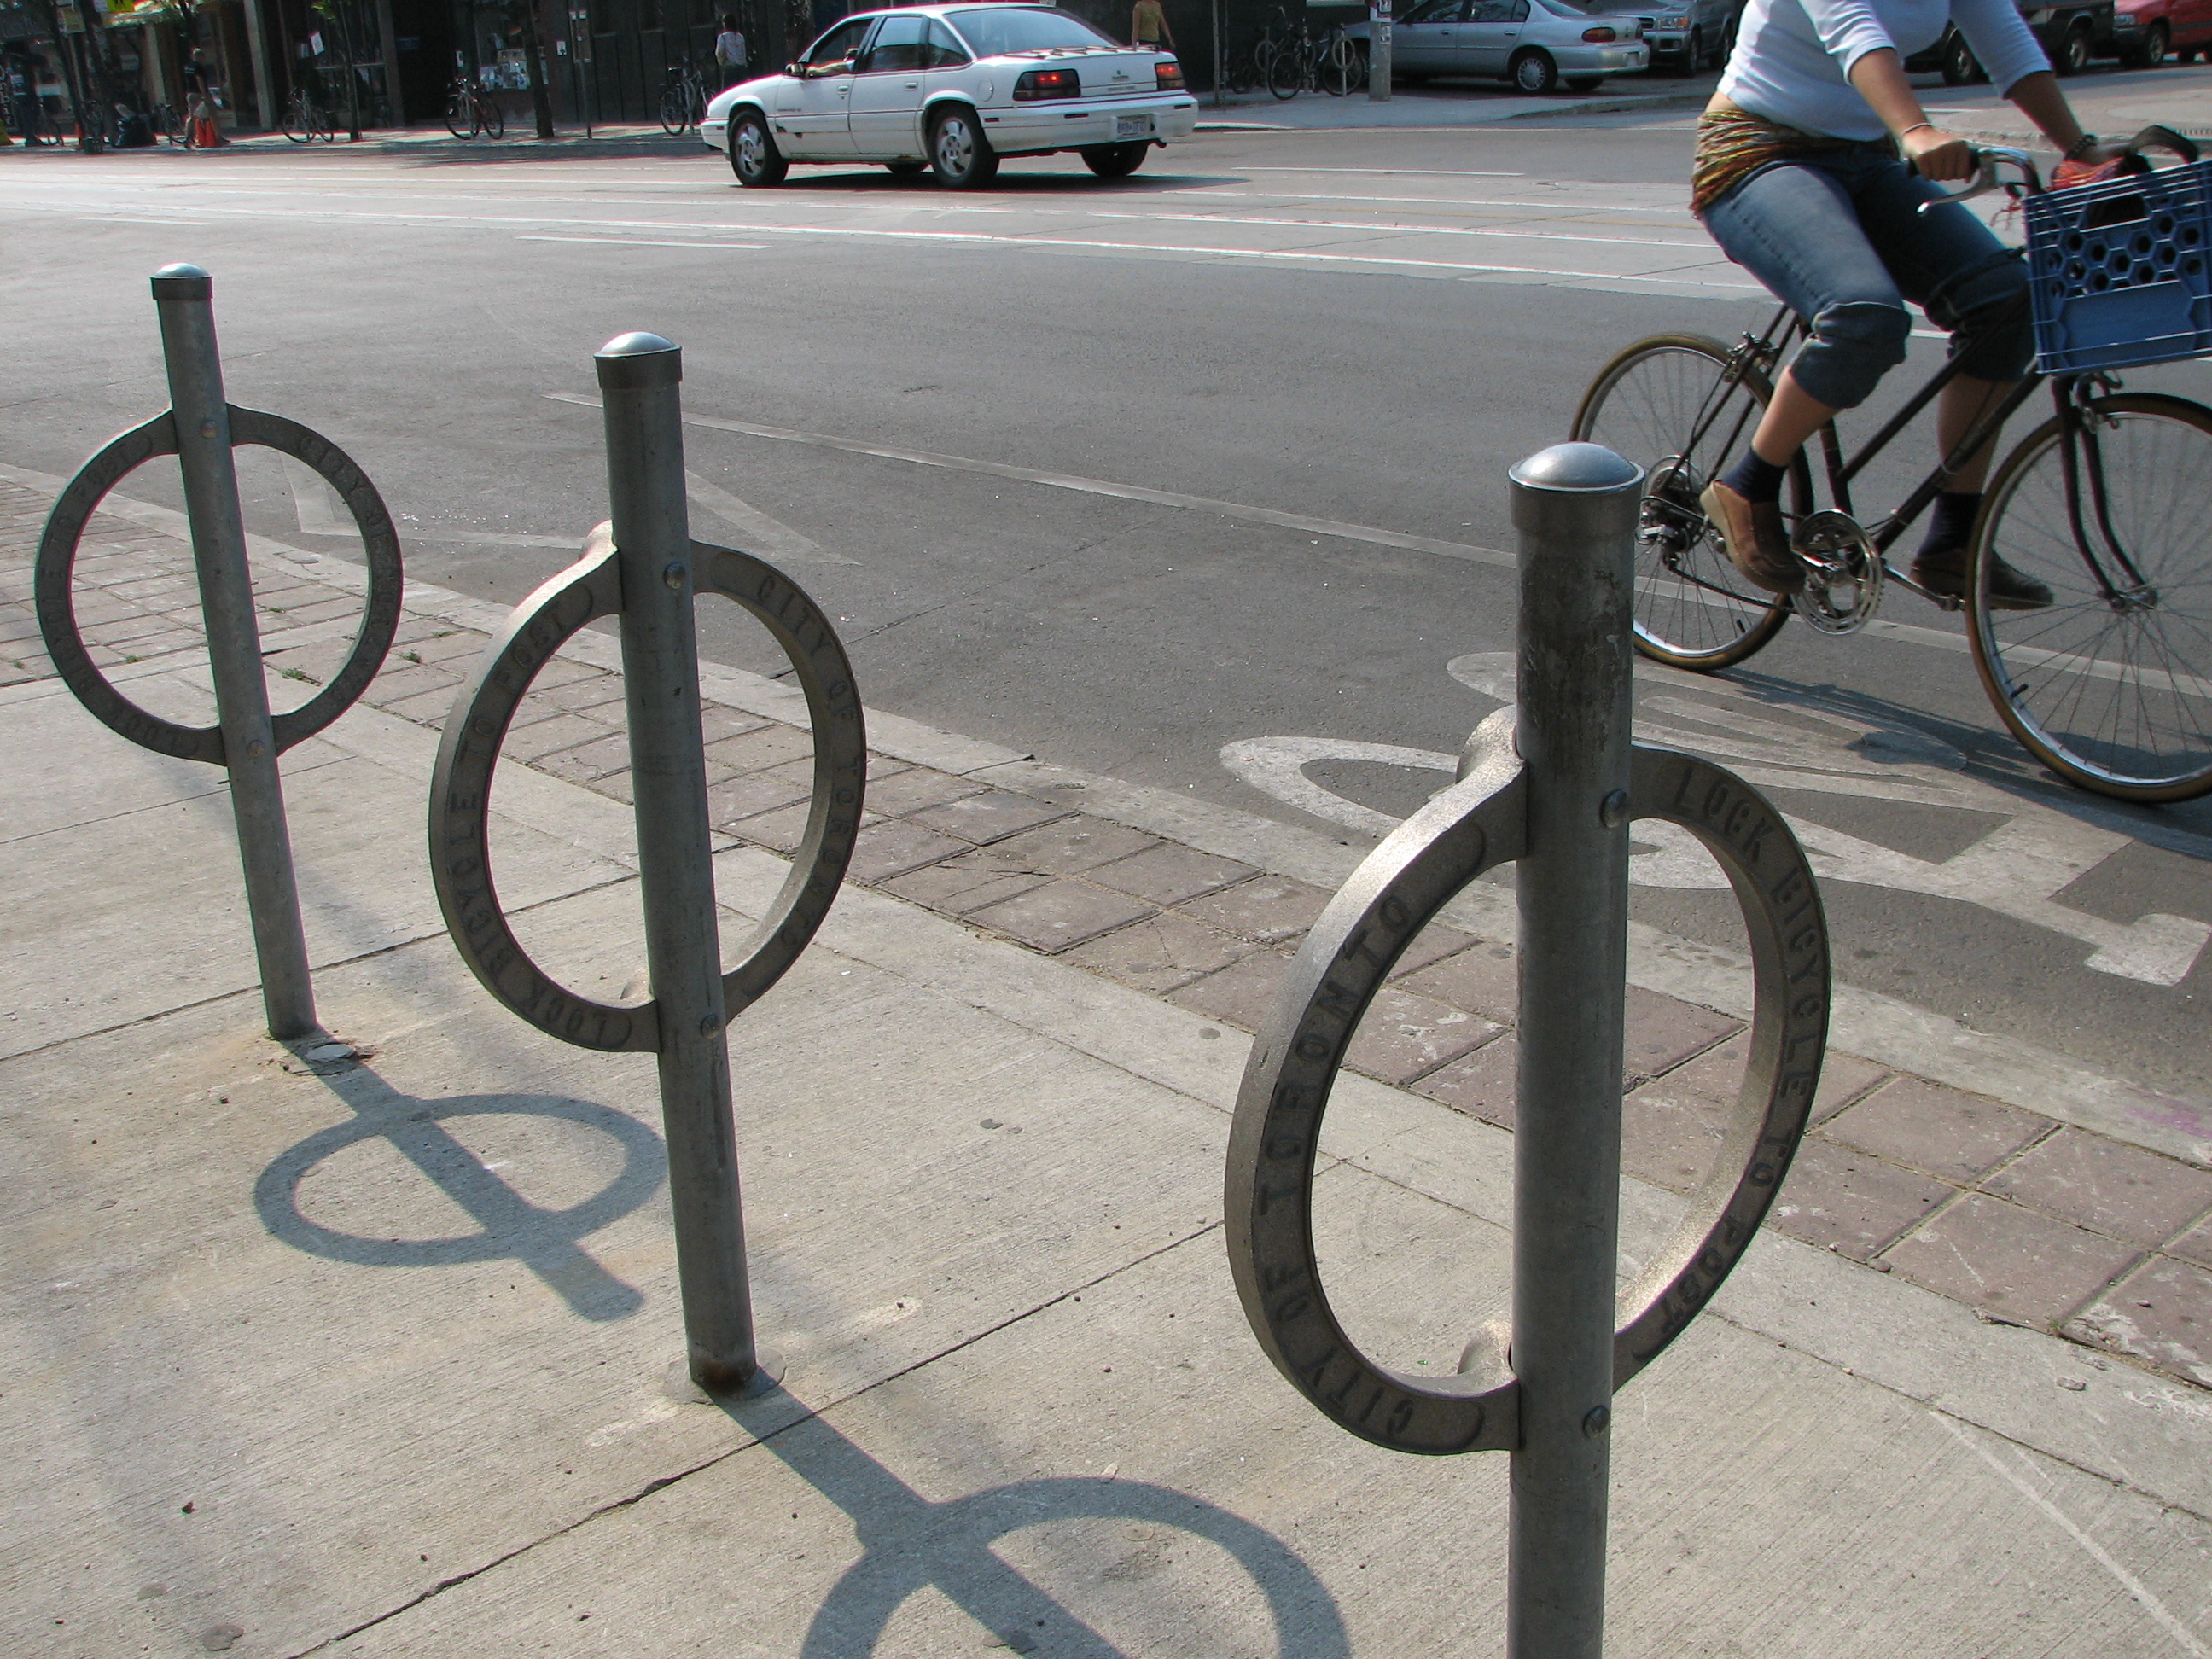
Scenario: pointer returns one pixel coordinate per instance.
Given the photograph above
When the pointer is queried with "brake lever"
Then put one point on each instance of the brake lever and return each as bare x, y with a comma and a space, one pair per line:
1985, 181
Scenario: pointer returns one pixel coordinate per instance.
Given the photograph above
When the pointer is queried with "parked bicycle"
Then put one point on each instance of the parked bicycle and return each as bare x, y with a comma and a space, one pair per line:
683, 99
305, 119
469, 113
1328, 62
2110, 685
29, 124
1251, 66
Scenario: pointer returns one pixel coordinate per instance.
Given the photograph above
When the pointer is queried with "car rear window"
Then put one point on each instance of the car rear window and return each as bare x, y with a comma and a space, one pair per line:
999, 30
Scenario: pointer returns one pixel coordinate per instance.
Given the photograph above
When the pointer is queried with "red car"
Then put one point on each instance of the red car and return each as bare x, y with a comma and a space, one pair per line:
2144, 32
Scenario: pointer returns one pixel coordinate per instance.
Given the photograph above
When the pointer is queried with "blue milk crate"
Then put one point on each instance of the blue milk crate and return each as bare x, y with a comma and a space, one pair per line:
2121, 271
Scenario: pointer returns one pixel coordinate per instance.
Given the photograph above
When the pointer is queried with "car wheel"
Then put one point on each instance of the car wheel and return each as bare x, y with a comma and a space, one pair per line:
1583, 83
1960, 67
2074, 50
1114, 161
959, 154
753, 154
1534, 73
2153, 52
906, 169
1696, 60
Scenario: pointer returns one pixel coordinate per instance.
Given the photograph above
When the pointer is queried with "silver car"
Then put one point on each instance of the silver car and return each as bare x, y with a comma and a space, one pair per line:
952, 88
1537, 45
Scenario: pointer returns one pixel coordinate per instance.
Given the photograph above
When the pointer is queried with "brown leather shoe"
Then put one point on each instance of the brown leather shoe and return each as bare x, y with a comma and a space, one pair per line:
1752, 536
1943, 570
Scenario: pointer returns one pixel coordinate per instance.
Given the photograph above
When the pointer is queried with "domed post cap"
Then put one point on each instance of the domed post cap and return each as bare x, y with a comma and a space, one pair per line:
1578, 468
638, 362
183, 282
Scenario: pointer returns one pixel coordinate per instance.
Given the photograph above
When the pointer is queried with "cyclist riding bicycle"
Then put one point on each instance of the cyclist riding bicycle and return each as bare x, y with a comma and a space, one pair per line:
1801, 176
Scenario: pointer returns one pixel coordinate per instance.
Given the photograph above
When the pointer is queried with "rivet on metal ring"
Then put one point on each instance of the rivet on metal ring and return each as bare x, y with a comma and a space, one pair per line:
674, 576
1613, 811
1598, 1420
207, 429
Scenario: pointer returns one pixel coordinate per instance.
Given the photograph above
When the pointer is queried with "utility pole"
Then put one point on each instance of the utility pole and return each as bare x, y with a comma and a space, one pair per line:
1378, 51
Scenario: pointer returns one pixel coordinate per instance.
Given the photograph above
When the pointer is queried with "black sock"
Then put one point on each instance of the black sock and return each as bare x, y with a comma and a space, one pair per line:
1755, 480
1951, 525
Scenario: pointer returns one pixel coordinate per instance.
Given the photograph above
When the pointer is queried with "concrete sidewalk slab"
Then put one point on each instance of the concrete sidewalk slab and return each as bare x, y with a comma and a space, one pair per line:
377, 1359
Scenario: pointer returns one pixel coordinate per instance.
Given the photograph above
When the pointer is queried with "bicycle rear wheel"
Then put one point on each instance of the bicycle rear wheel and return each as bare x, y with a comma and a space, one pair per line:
675, 111
1241, 75
2111, 685
1663, 405
492, 118
1287, 74
460, 115
298, 123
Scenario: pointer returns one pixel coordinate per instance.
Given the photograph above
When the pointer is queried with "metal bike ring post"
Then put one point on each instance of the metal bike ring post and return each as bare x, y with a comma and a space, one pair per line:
55, 594
1473, 827
460, 861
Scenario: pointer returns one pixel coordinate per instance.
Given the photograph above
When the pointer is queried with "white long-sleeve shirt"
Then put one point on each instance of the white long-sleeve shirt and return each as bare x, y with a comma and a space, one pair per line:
1793, 57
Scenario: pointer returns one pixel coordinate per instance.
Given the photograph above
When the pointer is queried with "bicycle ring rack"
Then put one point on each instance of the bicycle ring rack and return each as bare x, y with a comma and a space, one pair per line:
461, 789
117, 460
1471, 828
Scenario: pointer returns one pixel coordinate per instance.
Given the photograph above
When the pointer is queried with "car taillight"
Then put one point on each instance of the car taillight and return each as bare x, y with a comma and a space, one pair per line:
1169, 74
1599, 35
1047, 83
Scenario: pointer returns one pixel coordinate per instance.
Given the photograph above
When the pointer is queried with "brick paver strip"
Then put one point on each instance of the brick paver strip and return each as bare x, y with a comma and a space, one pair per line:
1662, 1032
1402, 1036
1849, 1201
1987, 1253
964, 883
1480, 1085
992, 815
884, 849
748, 793
1242, 994
1483, 977
587, 763
1074, 844
2124, 1191
2194, 1246
1060, 914
758, 750
2161, 1312
1670, 1137
1267, 909
543, 738
1160, 953
781, 830
1170, 875
917, 788
1927, 1126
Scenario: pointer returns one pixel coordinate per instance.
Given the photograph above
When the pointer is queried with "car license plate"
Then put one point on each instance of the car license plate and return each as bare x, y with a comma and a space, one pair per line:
1133, 127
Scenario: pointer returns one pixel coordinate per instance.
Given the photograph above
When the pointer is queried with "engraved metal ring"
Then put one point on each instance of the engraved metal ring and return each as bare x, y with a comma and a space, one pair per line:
1468, 828
460, 790
56, 594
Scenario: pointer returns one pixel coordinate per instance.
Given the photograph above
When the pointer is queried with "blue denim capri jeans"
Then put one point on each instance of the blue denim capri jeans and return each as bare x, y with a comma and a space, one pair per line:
1837, 237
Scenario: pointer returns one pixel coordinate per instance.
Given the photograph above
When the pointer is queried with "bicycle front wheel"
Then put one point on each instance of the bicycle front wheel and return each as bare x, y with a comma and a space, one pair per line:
492, 118
297, 126
675, 111
461, 116
1665, 404
2110, 685
1287, 74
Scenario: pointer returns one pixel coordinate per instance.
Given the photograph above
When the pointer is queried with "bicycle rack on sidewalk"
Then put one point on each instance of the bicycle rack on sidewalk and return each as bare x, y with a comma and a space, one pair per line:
200, 429
1554, 787
643, 566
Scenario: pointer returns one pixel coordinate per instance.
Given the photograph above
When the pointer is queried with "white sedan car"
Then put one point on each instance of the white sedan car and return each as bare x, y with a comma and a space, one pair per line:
955, 87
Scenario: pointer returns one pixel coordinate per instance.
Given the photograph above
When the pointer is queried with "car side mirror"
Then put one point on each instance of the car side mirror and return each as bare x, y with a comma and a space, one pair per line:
796, 71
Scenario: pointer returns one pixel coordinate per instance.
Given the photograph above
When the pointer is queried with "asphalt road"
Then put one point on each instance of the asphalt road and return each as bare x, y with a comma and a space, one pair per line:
1330, 345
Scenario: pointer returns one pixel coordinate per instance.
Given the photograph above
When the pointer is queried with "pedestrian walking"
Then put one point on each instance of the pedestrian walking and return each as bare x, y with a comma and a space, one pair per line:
1148, 27
730, 51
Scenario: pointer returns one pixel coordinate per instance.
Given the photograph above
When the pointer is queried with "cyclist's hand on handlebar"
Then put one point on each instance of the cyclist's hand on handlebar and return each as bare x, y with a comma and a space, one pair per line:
1935, 153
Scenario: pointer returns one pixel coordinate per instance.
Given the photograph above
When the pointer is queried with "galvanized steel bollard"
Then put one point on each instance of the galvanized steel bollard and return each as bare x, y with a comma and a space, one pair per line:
200, 429
1554, 785
644, 566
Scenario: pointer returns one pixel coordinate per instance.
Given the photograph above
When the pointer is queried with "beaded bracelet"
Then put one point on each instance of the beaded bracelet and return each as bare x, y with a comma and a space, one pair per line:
2080, 147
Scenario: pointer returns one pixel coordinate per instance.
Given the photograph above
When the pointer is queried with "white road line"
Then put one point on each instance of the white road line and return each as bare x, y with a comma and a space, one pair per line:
1350, 532
1395, 172
647, 241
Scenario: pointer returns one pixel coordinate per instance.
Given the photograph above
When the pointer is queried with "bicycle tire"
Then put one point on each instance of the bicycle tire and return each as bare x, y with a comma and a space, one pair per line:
1238, 75
1339, 69
1692, 609
1287, 74
675, 111
492, 116
2114, 696
461, 115
296, 123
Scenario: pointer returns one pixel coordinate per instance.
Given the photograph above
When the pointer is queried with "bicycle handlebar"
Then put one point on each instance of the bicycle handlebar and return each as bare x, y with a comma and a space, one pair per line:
1988, 158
